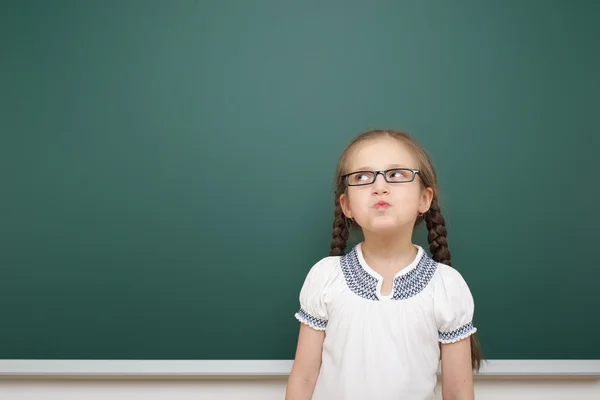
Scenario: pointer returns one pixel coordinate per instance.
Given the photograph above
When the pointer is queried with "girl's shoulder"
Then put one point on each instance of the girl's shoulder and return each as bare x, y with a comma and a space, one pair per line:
454, 304
324, 270
449, 277
313, 309
450, 286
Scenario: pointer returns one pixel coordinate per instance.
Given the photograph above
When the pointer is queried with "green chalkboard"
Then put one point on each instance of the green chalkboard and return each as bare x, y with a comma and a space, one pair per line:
166, 166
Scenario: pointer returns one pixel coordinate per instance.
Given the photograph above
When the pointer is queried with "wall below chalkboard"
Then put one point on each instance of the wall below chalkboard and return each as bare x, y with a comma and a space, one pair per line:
267, 389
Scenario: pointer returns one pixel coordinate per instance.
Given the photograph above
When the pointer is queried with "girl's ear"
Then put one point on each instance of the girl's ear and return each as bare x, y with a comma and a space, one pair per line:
345, 205
426, 199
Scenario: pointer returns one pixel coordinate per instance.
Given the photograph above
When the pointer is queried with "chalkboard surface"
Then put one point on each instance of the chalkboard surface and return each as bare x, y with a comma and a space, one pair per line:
166, 166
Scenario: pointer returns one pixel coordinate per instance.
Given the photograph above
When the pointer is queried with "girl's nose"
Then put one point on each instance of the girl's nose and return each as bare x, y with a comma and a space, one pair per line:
380, 186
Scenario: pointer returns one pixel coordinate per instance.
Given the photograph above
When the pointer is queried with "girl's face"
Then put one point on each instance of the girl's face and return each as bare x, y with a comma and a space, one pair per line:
384, 207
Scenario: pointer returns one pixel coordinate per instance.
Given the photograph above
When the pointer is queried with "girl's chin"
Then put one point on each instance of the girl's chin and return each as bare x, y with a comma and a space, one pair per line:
387, 226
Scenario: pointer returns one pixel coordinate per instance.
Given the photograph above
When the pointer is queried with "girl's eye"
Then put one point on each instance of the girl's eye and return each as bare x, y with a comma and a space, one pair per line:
400, 175
360, 178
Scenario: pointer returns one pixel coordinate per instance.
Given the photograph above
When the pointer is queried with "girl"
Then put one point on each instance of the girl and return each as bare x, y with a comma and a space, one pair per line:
375, 321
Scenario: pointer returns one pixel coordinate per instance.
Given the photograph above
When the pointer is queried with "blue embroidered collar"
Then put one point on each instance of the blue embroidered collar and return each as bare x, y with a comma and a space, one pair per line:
366, 283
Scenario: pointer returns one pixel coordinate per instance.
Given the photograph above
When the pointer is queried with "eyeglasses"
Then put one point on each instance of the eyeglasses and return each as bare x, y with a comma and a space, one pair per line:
395, 175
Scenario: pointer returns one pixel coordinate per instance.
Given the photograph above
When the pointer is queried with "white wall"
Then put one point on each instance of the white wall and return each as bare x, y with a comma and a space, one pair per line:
263, 389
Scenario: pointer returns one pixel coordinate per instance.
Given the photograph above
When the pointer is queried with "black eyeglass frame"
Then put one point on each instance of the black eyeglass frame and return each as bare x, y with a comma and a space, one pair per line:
415, 172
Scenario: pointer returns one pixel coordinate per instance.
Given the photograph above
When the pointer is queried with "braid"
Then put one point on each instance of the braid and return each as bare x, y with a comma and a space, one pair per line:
437, 237
438, 244
340, 231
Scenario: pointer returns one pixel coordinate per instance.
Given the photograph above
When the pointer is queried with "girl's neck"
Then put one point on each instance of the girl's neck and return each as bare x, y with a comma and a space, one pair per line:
389, 248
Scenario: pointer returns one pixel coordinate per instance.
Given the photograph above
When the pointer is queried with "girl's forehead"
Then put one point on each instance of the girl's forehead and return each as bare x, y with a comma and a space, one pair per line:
381, 153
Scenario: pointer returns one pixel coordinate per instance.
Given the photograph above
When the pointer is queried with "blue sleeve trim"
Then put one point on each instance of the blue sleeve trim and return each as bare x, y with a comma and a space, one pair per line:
458, 334
313, 322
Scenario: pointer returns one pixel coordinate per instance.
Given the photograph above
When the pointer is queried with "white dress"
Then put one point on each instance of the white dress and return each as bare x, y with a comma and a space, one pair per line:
383, 347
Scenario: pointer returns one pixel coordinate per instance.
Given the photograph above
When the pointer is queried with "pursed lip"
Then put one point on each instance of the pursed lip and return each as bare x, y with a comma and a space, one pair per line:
381, 204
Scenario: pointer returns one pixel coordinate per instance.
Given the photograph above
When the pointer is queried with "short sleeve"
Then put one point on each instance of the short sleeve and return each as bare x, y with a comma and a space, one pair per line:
454, 306
313, 309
